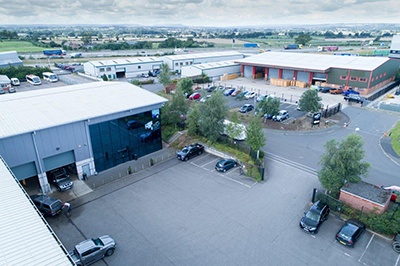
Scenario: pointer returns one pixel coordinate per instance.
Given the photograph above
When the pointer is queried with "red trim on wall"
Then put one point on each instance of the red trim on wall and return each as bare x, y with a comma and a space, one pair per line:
280, 73
310, 77
242, 70
369, 81
347, 79
295, 75
254, 72
266, 73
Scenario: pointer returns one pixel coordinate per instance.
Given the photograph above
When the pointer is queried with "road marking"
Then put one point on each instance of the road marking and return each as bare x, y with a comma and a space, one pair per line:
241, 183
347, 254
372, 237
397, 261
291, 163
201, 157
195, 164
312, 236
208, 163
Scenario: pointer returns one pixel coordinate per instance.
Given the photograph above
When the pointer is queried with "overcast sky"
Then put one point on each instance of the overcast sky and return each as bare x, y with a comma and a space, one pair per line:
199, 12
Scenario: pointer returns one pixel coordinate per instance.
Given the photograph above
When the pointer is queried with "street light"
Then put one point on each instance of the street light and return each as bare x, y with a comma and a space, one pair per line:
356, 130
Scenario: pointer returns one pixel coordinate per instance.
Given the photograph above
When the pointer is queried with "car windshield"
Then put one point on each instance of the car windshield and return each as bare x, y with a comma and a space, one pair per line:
347, 231
185, 150
36, 79
59, 179
313, 216
97, 242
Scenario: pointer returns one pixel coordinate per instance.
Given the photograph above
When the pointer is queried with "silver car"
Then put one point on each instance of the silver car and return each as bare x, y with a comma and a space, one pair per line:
92, 250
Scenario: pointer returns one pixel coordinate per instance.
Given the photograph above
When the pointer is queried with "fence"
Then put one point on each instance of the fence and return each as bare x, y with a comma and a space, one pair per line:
68, 80
330, 111
282, 96
335, 205
382, 91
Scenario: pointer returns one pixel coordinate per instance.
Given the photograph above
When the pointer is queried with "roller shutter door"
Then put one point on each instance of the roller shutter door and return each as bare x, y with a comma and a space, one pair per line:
319, 76
59, 160
248, 71
273, 73
303, 76
287, 74
24, 171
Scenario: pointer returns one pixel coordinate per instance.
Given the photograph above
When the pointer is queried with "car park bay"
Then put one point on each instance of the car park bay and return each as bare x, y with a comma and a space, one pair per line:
186, 213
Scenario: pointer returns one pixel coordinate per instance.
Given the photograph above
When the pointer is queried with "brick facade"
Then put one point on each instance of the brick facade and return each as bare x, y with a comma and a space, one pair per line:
360, 203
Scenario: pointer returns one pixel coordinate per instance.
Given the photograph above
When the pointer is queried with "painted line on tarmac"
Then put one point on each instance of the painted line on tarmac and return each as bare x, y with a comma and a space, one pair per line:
291, 163
208, 163
241, 183
372, 237
397, 261
201, 157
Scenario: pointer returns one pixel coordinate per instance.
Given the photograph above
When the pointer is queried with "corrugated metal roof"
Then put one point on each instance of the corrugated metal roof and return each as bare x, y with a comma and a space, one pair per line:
9, 57
395, 43
321, 62
201, 55
4, 79
39, 109
216, 65
126, 61
26, 238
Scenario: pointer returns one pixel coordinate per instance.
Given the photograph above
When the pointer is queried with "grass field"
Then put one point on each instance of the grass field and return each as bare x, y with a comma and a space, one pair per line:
19, 46
395, 135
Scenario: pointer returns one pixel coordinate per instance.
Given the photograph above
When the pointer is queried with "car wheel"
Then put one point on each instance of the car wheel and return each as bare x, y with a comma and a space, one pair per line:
109, 252
199, 152
224, 170
186, 159
235, 165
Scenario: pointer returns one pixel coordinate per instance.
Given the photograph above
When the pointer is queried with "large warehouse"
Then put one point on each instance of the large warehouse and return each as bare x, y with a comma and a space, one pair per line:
7, 58
88, 127
122, 68
364, 74
213, 70
395, 48
176, 62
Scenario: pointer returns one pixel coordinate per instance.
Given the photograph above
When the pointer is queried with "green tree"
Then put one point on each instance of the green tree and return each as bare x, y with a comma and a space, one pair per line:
303, 39
310, 101
164, 77
232, 130
185, 86
270, 106
104, 77
342, 163
193, 120
213, 113
255, 134
86, 38
174, 109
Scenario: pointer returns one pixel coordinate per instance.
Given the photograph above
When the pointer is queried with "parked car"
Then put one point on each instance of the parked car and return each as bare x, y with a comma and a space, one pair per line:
313, 219
204, 99
15, 82
350, 232
325, 89
149, 136
190, 151
12, 90
60, 179
225, 164
236, 92
194, 96
350, 91
144, 75
268, 116
211, 88
395, 192
152, 73
262, 97
133, 124
2, 91
246, 108
47, 205
282, 115
92, 250
250, 95
228, 91
354, 98
335, 91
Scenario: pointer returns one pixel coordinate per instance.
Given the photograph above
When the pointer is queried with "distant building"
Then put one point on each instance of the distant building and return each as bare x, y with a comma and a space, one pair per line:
213, 70
5, 83
395, 48
7, 58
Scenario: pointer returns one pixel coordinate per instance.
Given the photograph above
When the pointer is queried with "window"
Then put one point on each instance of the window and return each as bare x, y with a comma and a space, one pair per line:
353, 78
380, 76
372, 79
377, 77
181, 64
108, 69
109, 76
343, 77
187, 63
191, 63
176, 64
362, 79
384, 74
101, 69
139, 67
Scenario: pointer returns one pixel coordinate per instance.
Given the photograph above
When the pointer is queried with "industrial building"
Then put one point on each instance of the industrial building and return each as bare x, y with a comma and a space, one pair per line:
87, 127
122, 68
10, 58
364, 74
395, 48
26, 238
176, 62
5, 83
213, 70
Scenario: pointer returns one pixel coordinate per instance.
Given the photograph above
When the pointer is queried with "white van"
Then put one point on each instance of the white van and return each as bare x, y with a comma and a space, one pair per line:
50, 77
240, 130
32, 79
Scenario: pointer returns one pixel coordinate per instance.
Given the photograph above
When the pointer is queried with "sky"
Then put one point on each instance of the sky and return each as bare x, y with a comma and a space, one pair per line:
217, 13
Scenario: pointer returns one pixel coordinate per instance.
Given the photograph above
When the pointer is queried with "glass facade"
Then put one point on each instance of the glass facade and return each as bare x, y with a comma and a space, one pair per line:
124, 139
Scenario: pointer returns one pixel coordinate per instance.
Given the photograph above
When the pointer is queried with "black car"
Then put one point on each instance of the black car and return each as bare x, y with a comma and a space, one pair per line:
133, 124
47, 205
350, 232
211, 88
313, 219
151, 135
246, 108
60, 179
225, 164
325, 89
190, 151
354, 98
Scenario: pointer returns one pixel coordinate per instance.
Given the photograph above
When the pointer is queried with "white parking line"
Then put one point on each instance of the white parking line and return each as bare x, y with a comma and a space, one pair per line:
243, 184
208, 163
348, 255
372, 237
397, 261
201, 157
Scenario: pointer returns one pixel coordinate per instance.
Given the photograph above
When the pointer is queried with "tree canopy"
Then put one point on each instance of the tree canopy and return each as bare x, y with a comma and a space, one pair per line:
255, 135
303, 39
310, 101
185, 86
342, 163
164, 76
269, 106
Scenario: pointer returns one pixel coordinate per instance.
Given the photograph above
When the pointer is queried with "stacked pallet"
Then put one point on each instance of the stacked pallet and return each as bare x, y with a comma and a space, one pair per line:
280, 82
259, 75
225, 77
301, 84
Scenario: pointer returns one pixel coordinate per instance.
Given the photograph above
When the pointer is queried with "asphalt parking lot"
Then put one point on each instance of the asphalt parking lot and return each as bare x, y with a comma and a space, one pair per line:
186, 213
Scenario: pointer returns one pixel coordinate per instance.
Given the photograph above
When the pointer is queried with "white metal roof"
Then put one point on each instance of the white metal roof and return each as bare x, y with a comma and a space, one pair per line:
306, 61
395, 43
214, 65
201, 55
33, 110
126, 61
9, 57
26, 238
4, 79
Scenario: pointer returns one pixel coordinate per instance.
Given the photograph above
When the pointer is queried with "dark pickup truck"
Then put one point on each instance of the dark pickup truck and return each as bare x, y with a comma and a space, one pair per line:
354, 98
190, 151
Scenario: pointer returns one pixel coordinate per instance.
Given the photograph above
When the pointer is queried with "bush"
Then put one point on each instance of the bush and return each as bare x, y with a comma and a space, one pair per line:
20, 72
201, 80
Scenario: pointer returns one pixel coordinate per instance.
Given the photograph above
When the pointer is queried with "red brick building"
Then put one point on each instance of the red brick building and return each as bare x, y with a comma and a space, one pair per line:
366, 197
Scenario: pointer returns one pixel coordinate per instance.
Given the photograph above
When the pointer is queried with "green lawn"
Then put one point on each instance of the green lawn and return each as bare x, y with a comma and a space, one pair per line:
19, 46
395, 135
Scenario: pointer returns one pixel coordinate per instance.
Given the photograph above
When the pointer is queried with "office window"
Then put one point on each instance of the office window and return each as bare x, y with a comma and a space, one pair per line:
101, 69
176, 64
362, 79
384, 74
139, 67
377, 77
380, 76
181, 63
108, 69
343, 77
191, 63
187, 63
353, 78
